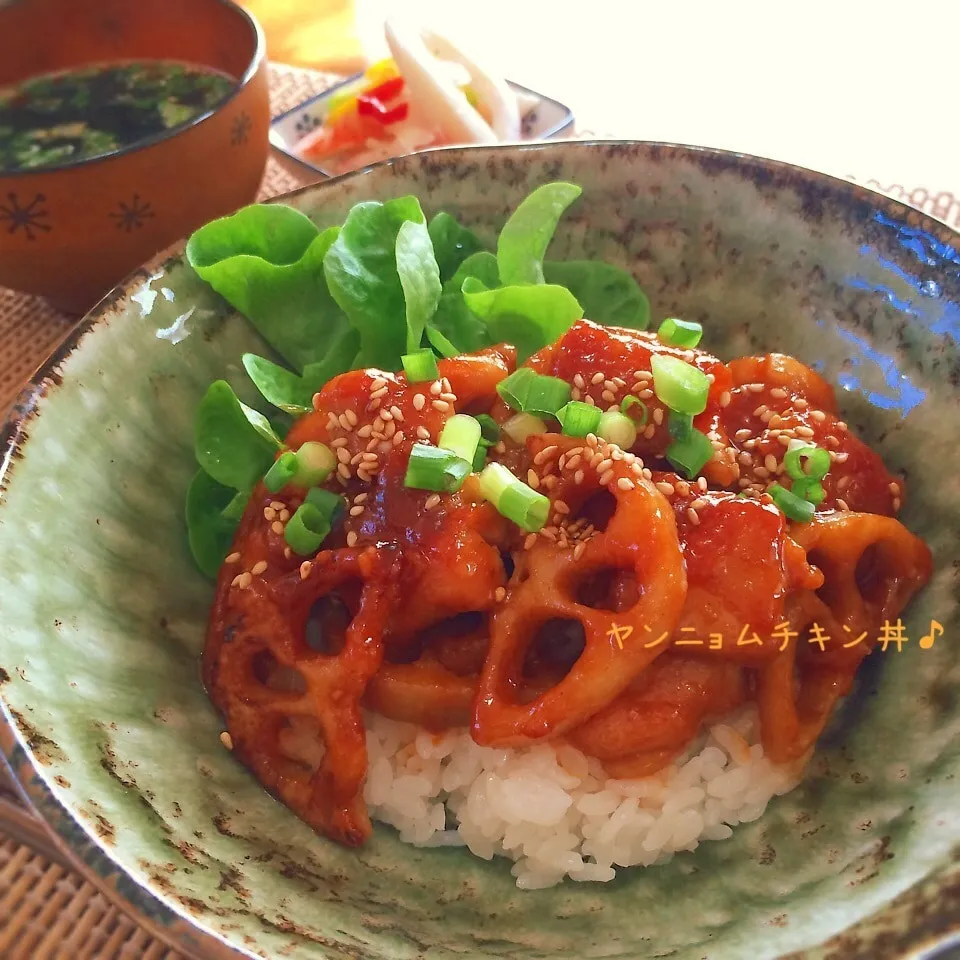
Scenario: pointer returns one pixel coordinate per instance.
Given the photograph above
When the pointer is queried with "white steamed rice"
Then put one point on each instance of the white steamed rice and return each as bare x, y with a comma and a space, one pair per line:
553, 810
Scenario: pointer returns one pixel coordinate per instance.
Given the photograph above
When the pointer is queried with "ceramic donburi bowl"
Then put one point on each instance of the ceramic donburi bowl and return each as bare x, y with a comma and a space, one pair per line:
104, 615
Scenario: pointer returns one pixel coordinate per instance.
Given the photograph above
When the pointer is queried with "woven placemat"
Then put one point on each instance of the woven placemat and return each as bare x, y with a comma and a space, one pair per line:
47, 911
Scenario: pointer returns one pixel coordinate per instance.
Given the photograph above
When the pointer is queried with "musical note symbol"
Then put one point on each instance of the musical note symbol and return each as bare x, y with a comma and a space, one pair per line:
936, 630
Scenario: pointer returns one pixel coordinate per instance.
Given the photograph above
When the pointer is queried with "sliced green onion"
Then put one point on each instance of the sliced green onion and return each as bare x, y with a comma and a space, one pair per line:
524, 506
513, 390
811, 489
793, 507
440, 343
489, 430
461, 435
513, 498
630, 401
618, 428
547, 395
234, 509
527, 391
330, 504
577, 419
479, 459
803, 460
690, 453
680, 333
315, 462
306, 530
432, 468
284, 469
680, 385
680, 425
420, 366
522, 425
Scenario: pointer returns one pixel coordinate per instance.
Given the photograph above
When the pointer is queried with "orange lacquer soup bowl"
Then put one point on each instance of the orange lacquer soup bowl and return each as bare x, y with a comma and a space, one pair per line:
70, 232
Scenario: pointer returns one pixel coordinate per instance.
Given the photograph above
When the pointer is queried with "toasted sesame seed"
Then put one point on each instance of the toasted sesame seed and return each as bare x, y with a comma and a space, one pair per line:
606, 478
609, 396
841, 425
683, 488
842, 457
305, 569
361, 498
578, 550
545, 454
369, 457
277, 504
343, 470
743, 434
842, 504
778, 392
374, 443
374, 404
896, 504
449, 397
753, 387
386, 416
269, 513
344, 422
597, 378
770, 462
233, 557
592, 440
532, 479
436, 388
589, 401
700, 503
693, 516
397, 413
784, 439
894, 488
235, 582
561, 507
343, 455
550, 533
529, 541
578, 381
624, 483
761, 410
604, 465
658, 416
818, 415
277, 527
803, 431
702, 483
423, 433
284, 515
419, 400
226, 740
639, 470
389, 430
440, 405
398, 438
364, 431
578, 477
499, 594
548, 483
379, 394
574, 461
287, 552
650, 430
431, 501
258, 567
725, 399
357, 511
575, 393
645, 394
352, 538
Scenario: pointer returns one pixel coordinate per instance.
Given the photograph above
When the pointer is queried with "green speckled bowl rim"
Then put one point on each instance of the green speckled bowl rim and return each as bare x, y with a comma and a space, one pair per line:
922, 922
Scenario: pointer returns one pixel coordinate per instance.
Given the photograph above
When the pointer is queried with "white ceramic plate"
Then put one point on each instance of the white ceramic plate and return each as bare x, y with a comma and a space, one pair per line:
545, 119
